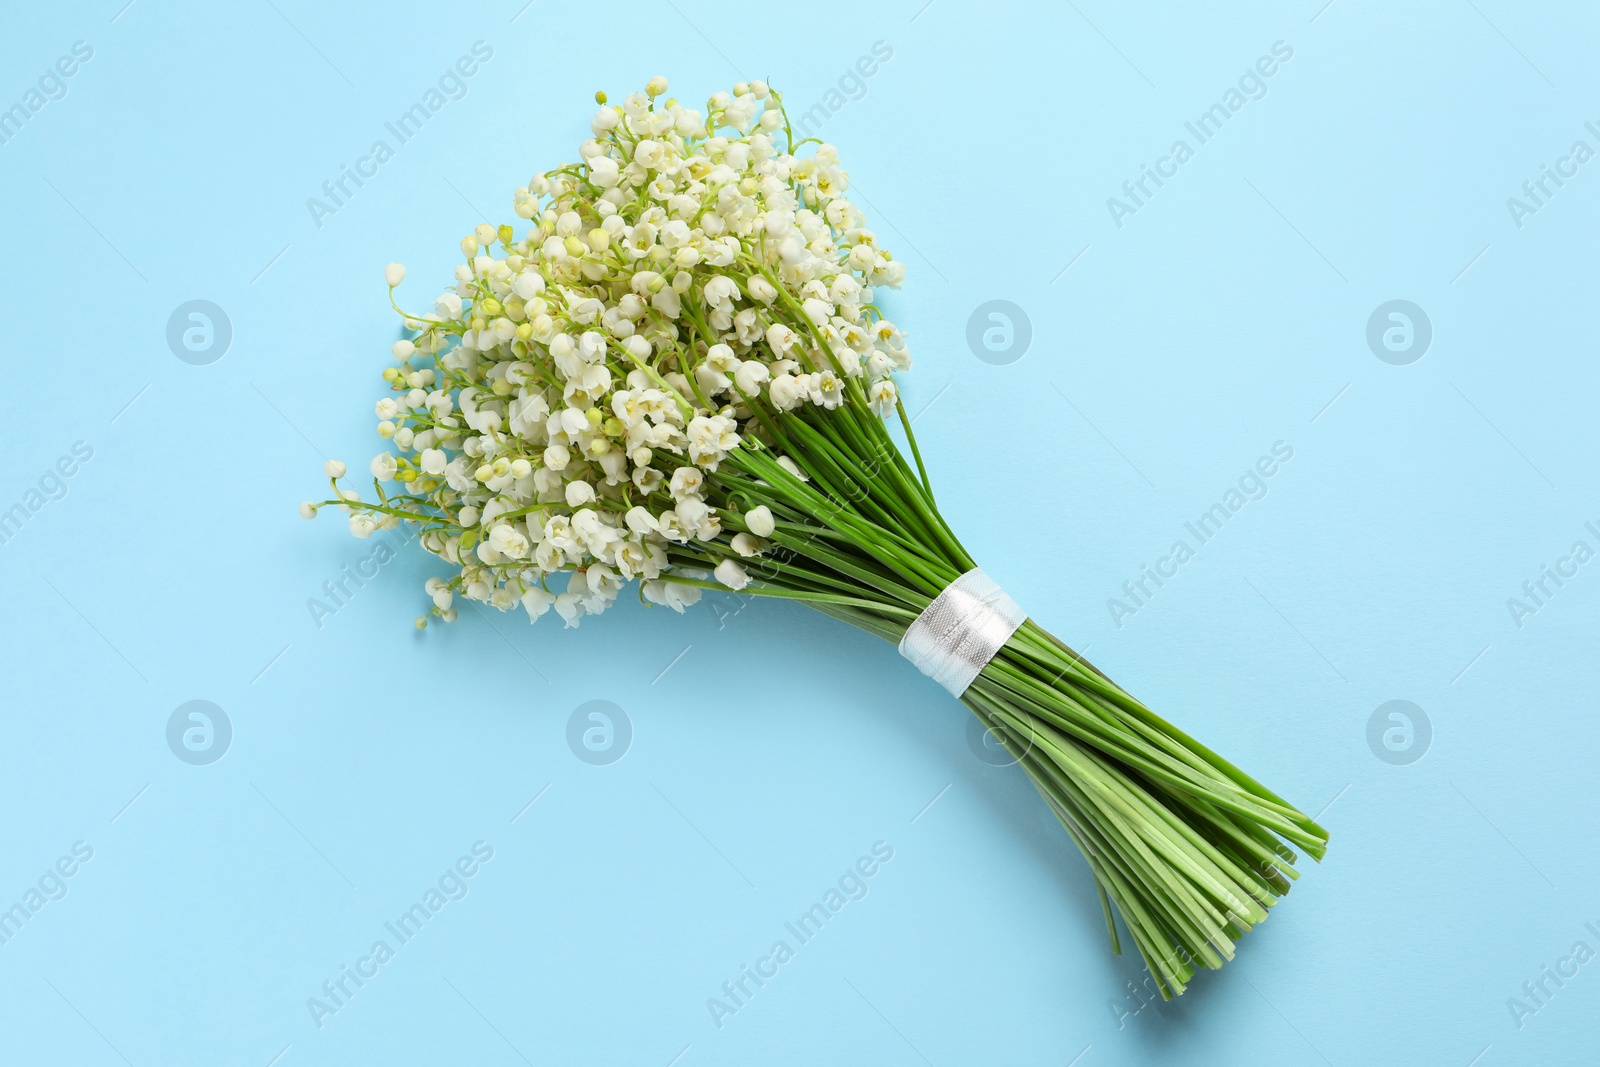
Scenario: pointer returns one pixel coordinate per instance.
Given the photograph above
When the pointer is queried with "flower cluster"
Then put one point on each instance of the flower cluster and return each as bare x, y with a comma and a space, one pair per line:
565, 408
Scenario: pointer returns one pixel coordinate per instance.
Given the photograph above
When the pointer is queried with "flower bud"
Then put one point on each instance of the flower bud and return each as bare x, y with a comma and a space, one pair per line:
760, 521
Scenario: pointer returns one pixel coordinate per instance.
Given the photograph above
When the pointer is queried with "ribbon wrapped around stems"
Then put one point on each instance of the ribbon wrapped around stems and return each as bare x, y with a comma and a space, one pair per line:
961, 629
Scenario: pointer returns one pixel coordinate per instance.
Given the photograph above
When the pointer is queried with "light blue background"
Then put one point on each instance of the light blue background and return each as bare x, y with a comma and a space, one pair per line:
773, 747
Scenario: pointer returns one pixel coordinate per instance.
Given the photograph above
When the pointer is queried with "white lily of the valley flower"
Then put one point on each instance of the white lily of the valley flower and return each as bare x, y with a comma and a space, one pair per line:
761, 290
731, 575
536, 602
760, 521
570, 607
579, 494
508, 542
883, 396
640, 521
692, 512
793, 468
750, 377
432, 461
686, 482
672, 595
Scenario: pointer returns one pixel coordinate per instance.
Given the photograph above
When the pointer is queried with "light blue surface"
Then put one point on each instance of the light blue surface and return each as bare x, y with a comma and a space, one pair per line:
771, 748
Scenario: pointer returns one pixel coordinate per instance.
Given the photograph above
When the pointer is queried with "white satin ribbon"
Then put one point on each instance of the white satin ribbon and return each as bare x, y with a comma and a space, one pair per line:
960, 630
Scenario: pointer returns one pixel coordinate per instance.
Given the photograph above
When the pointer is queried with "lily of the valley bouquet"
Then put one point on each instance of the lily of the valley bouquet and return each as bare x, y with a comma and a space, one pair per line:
679, 375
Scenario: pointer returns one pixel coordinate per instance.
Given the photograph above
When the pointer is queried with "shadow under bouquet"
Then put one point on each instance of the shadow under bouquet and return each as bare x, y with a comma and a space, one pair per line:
678, 375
